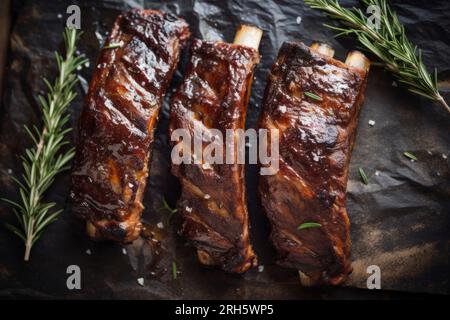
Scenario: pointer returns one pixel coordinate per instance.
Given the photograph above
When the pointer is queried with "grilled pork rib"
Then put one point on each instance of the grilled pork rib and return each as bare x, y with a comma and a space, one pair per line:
214, 95
316, 141
118, 120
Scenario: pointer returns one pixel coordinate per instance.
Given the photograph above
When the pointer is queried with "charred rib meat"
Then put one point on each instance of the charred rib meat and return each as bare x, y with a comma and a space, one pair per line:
314, 102
117, 123
214, 95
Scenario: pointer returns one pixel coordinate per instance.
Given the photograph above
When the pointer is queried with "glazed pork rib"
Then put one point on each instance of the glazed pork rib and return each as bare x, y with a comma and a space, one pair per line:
132, 74
314, 102
214, 95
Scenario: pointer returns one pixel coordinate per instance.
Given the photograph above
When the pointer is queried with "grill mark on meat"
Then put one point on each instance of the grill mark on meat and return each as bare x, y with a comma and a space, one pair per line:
118, 120
214, 95
316, 140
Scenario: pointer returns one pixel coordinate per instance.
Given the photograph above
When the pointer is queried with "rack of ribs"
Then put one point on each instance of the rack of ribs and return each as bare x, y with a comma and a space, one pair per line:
214, 96
117, 123
314, 102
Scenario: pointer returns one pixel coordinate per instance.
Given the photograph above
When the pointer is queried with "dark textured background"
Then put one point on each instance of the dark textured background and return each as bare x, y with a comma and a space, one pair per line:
399, 221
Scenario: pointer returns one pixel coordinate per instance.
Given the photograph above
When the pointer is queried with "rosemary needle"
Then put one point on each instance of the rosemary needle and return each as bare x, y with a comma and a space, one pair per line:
174, 270
45, 159
363, 176
312, 96
308, 225
112, 46
388, 42
410, 155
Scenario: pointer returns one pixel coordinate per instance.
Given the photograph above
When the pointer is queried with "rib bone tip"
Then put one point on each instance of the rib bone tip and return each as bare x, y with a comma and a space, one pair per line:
91, 230
249, 36
358, 60
323, 49
305, 280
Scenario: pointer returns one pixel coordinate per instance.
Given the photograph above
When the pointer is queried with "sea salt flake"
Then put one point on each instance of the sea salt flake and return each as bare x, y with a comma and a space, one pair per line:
371, 123
10, 171
160, 225
282, 109
59, 15
88, 252
124, 251
206, 166
207, 196
298, 20
444, 156
188, 209
140, 281
394, 84
260, 268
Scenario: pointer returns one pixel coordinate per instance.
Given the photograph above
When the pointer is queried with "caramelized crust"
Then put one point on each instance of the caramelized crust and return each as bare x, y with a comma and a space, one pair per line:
316, 141
118, 120
213, 201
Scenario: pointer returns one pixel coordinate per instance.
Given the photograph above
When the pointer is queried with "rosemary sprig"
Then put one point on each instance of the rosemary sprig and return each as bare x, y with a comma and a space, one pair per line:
45, 159
388, 42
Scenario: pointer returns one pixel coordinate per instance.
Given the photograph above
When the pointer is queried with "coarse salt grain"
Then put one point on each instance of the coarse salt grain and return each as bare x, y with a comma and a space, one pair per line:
206, 166
140, 281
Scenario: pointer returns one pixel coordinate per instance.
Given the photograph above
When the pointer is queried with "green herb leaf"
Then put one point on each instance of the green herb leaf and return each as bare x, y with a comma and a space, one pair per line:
308, 225
410, 155
312, 96
174, 270
166, 207
112, 46
46, 158
363, 176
